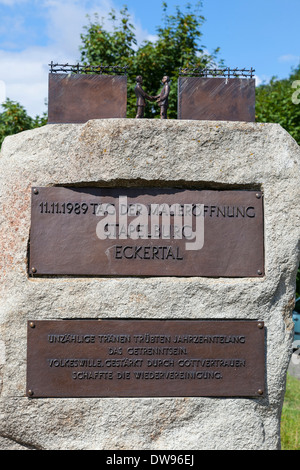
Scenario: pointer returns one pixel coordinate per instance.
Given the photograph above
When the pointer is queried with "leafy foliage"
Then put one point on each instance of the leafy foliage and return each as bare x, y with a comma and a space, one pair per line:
15, 119
277, 102
177, 46
290, 419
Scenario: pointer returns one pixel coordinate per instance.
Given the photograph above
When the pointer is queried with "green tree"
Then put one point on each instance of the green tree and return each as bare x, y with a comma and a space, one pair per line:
279, 101
177, 46
15, 119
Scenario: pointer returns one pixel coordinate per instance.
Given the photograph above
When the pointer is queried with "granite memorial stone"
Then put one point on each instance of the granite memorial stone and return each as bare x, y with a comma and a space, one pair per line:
94, 358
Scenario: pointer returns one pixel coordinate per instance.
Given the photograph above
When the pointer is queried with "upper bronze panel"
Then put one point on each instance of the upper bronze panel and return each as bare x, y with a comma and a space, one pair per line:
216, 99
78, 98
68, 227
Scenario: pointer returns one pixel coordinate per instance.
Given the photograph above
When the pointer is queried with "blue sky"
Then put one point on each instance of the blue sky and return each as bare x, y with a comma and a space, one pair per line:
264, 34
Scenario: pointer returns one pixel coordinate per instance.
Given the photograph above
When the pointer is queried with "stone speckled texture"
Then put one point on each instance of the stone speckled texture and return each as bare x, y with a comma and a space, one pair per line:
119, 152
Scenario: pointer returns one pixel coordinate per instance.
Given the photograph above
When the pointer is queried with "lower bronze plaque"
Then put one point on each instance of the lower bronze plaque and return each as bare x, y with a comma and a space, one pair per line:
146, 232
145, 358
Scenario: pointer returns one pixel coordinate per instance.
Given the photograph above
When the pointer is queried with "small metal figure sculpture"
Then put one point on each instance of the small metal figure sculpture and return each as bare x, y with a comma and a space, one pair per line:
141, 96
163, 98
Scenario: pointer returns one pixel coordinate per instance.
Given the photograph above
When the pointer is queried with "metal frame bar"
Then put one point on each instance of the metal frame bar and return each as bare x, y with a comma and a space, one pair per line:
222, 72
87, 69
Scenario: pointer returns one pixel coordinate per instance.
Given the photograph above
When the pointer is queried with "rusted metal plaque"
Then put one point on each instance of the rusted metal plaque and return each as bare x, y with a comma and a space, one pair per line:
146, 232
216, 99
77, 98
145, 358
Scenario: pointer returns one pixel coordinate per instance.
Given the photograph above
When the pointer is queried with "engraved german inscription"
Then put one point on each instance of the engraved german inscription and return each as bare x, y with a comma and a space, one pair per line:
124, 358
146, 232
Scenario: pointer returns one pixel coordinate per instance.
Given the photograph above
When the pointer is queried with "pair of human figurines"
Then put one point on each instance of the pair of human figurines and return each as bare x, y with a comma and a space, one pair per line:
161, 99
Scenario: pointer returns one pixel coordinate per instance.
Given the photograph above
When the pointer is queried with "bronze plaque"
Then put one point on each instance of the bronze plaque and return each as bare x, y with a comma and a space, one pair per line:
78, 98
216, 99
145, 358
146, 232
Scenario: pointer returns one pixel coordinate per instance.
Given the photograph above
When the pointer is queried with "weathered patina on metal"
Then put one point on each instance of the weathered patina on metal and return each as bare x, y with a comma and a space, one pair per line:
79, 93
145, 358
141, 98
98, 232
163, 97
216, 94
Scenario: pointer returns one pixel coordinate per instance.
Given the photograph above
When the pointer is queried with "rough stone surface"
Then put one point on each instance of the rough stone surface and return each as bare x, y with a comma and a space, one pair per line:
147, 152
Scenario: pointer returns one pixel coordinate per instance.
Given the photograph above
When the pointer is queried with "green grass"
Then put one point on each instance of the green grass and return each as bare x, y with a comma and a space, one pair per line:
290, 419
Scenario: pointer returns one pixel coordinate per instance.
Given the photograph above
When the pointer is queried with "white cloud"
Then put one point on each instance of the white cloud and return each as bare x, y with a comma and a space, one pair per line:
261, 80
11, 3
65, 21
289, 58
152, 37
2, 91
25, 72
258, 80
25, 76
11, 25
